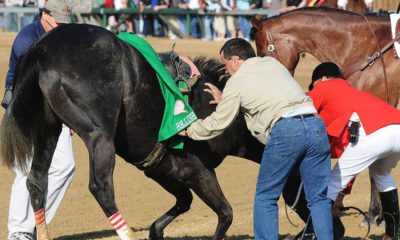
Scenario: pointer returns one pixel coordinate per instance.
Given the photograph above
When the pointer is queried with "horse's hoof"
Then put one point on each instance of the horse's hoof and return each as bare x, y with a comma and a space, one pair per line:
154, 233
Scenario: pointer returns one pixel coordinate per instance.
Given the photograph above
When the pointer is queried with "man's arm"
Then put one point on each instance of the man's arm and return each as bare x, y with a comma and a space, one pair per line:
224, 115
21, 43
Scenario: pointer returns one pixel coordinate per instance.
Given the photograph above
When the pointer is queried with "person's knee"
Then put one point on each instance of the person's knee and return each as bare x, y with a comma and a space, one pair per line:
384, 181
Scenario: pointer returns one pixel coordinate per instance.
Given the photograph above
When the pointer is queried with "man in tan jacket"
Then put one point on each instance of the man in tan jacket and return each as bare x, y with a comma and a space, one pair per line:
281, 116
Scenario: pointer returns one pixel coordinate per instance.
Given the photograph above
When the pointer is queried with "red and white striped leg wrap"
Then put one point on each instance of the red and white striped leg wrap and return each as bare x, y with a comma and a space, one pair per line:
41, 226
121, 227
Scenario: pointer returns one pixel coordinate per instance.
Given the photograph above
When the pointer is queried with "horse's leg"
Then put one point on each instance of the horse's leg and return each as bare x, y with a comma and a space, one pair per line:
206, 186
375, 205
102, 161
37, 180
183, 201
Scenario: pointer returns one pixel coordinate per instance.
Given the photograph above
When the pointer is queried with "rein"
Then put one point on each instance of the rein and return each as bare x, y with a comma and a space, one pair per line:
370, 60
271, 46
360, 66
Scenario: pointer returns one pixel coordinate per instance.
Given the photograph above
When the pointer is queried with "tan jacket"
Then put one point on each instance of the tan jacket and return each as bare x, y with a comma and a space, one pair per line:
263, 90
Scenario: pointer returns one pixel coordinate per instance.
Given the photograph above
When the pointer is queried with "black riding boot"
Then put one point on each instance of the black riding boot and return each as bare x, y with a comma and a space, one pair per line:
390, 208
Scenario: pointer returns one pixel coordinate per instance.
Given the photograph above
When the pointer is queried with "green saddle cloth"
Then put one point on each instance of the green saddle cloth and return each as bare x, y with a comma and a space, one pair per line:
178, 115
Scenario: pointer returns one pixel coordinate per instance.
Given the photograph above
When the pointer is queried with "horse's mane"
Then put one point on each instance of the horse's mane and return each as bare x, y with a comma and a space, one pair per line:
211, 70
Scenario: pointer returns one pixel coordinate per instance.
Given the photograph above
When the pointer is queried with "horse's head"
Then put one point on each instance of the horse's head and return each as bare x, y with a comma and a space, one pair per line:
277, 37
258, 34
236, 140
210, 70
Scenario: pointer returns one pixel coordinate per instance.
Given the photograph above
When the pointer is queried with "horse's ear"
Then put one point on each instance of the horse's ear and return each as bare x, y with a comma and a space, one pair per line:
256, 22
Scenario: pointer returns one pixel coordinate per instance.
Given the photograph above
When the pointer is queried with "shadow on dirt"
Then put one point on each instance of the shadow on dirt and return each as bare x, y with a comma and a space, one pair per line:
112, 233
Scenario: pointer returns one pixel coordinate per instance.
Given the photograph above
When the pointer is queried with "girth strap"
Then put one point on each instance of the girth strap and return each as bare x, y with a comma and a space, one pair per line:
154, 158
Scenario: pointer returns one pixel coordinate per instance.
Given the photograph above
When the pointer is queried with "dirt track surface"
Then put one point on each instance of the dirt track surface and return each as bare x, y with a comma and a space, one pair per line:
141, 200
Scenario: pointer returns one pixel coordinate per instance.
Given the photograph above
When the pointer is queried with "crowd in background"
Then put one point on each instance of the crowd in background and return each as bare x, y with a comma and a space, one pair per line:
203, 26
207, 27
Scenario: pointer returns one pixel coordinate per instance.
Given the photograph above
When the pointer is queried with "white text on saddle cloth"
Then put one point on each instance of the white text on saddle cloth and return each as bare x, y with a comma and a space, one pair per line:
394, 17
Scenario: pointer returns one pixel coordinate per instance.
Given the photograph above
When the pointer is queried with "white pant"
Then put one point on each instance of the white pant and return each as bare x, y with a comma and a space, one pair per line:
394, 18
20, 216
380, 151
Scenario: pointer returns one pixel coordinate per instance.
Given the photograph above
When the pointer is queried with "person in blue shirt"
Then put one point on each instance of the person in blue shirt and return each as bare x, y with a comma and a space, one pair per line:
21, 220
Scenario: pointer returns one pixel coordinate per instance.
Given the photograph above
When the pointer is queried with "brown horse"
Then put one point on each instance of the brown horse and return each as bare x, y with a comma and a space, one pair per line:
343, 37
357, 6
334, 35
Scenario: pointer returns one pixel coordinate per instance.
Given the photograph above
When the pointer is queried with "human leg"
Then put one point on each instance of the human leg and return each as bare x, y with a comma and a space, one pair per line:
20, 213
220, 27
158, 27
61, 172
359, 156
194, 27
381, 173
390, 208
208, 21
283, 150
182, 22
245, 26
314, 170
293, 194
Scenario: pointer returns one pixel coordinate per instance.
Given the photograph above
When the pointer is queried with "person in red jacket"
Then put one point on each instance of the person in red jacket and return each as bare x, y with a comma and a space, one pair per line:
364, 131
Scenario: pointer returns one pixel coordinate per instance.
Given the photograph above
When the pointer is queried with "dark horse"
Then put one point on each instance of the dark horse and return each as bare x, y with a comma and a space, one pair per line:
338, 36
87, 78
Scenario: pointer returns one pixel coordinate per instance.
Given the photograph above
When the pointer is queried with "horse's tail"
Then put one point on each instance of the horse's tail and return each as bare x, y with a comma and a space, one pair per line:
21, 121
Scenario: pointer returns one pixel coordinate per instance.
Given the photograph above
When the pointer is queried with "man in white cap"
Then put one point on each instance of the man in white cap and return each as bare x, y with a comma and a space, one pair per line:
21, 220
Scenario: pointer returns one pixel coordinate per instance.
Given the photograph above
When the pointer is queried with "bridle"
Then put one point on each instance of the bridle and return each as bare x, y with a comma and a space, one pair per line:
185, 78
271, 46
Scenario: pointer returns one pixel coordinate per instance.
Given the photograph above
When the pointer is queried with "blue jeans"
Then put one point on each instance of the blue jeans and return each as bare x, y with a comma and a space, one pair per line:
182, 21
294, 140
158, 27
208, 21
194, 27
245, 26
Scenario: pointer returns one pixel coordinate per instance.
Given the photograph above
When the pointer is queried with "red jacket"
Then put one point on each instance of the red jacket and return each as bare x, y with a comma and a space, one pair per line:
335, 101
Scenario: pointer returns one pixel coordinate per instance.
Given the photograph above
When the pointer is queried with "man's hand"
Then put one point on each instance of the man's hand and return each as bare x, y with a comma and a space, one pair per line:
214, 91
7, 97
183, 133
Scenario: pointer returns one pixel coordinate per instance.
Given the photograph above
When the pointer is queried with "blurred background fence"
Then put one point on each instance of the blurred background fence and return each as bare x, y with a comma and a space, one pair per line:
13, 18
